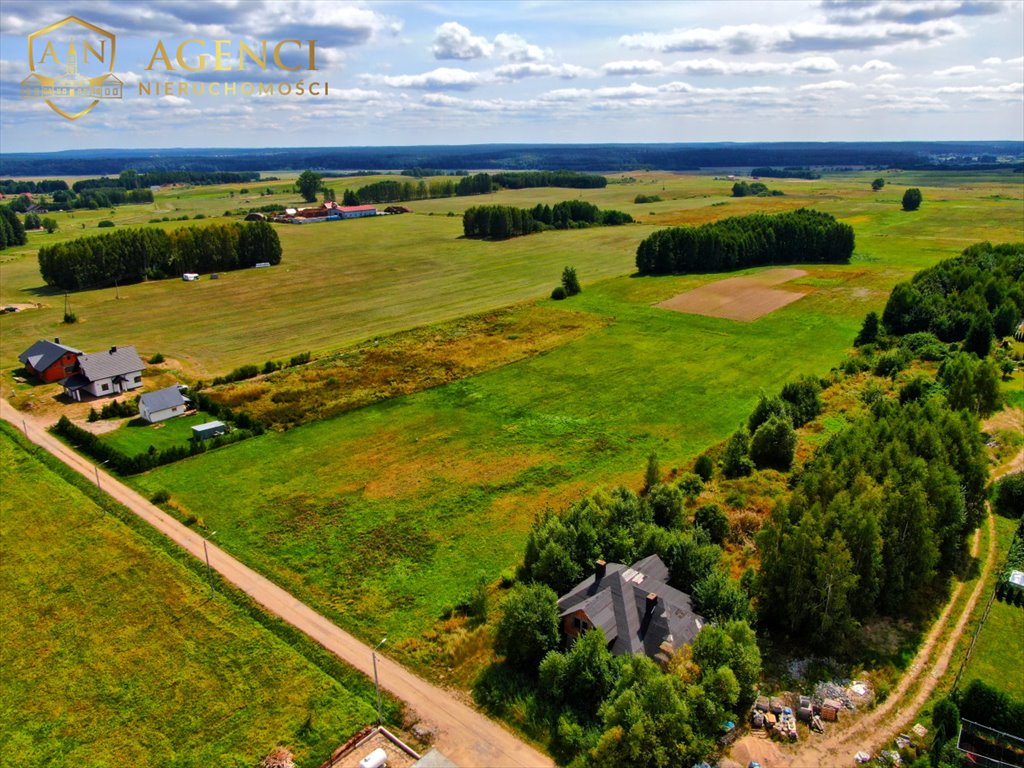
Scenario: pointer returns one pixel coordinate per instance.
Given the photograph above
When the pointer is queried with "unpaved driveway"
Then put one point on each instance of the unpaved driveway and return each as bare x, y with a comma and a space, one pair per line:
467, 737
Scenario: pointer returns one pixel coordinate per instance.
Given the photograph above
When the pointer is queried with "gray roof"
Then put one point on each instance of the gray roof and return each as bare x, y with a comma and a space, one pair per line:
162, 399
43, 354
617, 603
116, 361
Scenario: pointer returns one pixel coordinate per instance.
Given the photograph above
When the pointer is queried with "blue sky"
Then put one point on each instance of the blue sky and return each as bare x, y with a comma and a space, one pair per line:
478, 72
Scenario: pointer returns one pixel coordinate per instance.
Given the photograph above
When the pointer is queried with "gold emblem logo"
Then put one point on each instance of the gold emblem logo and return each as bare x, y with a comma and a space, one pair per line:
71, 61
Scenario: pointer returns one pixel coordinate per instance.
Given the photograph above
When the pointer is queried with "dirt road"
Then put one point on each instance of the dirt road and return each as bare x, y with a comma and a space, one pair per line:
467, 737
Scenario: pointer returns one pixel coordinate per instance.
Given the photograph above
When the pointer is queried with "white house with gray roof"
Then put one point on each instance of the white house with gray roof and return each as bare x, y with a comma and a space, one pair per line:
635, 608
163, 404
102, 374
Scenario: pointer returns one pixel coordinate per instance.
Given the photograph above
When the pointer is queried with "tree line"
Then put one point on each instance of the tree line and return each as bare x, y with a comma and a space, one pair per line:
12, 231
132, 255
499, 222
21, 186
802, 236
477, 184
130, 179
754, 189
785, 173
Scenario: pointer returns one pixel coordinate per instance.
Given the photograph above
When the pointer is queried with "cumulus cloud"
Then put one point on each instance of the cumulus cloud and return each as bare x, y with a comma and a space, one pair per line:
330, 24
528, 69
901, 11
828, 85
814, 65
958, 71
515, 48
454, 41
442, 78
874, 65
804, 37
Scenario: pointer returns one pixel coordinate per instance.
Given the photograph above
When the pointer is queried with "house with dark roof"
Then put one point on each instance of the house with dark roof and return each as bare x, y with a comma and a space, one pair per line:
50, 360
635, 608
100, 374
163, 404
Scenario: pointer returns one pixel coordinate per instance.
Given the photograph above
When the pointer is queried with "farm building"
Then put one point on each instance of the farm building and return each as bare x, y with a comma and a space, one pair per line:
209, 430
50, 361
117, 370
634, 606
356, 211
163, 404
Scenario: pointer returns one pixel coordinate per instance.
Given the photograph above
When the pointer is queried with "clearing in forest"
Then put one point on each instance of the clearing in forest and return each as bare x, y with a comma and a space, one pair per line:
741, 298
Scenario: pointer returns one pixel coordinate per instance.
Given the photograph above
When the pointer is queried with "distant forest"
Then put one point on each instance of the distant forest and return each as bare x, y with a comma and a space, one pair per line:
574, 157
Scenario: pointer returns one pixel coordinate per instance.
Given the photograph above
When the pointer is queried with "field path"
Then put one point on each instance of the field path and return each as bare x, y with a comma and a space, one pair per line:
467, 737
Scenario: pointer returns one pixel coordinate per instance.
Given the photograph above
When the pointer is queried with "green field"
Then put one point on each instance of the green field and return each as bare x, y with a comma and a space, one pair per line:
997, 658
385, 517
347, 281
113, 653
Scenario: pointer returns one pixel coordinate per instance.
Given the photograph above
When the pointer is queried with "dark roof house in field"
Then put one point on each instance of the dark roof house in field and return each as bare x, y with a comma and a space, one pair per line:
163, 404
635, 608
50, 360
100, 374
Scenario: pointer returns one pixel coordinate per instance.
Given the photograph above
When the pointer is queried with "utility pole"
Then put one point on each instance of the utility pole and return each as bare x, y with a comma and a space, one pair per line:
376, 680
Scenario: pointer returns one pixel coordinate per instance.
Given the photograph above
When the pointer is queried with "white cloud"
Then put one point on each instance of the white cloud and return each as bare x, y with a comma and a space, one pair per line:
829, 85
992, 61
964, 69
527, 69
440, 78
1010, 88
454, 41
907, 12
889, 78
805, 36
515, 48
874, 65
813, 65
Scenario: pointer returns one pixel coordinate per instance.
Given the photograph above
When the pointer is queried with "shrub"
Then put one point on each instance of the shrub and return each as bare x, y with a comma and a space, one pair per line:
105, 223
1008, 495
773, 444
912, 199
704, 467
714, 521
161, 497
558, 293
570, 282
70, 317
156, 359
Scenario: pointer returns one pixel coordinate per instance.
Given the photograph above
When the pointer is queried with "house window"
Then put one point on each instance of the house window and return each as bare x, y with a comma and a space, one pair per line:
581, 625
104, 386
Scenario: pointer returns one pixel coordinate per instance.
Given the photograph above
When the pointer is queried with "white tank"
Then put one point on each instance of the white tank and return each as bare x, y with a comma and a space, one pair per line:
376, 759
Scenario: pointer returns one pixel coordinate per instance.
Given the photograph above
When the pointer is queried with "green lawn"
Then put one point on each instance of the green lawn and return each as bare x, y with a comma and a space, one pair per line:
136, 436
112, 653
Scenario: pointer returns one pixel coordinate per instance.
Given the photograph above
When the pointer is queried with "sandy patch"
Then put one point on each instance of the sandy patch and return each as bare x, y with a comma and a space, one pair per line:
741, 298
757, 747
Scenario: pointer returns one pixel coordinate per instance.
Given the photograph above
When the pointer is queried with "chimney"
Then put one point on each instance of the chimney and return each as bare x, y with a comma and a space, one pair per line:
652, 601
599, 569
56, 339
113, 350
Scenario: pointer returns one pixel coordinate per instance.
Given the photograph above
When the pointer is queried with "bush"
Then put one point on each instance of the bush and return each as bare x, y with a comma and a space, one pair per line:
714, 521
737, 462
559, 293
704, 467
912, 199
161, 497
803, 399
570, 282
774, 444
1008, 495
528, 628
105, 223
70, 317
156, 359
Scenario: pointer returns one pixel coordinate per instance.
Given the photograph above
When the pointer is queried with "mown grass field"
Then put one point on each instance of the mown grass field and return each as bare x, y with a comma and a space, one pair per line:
113, 654
344, 282
136, 436
386, 517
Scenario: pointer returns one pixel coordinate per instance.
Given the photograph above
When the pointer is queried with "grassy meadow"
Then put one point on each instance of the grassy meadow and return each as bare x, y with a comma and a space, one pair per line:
387, 516
113, 653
